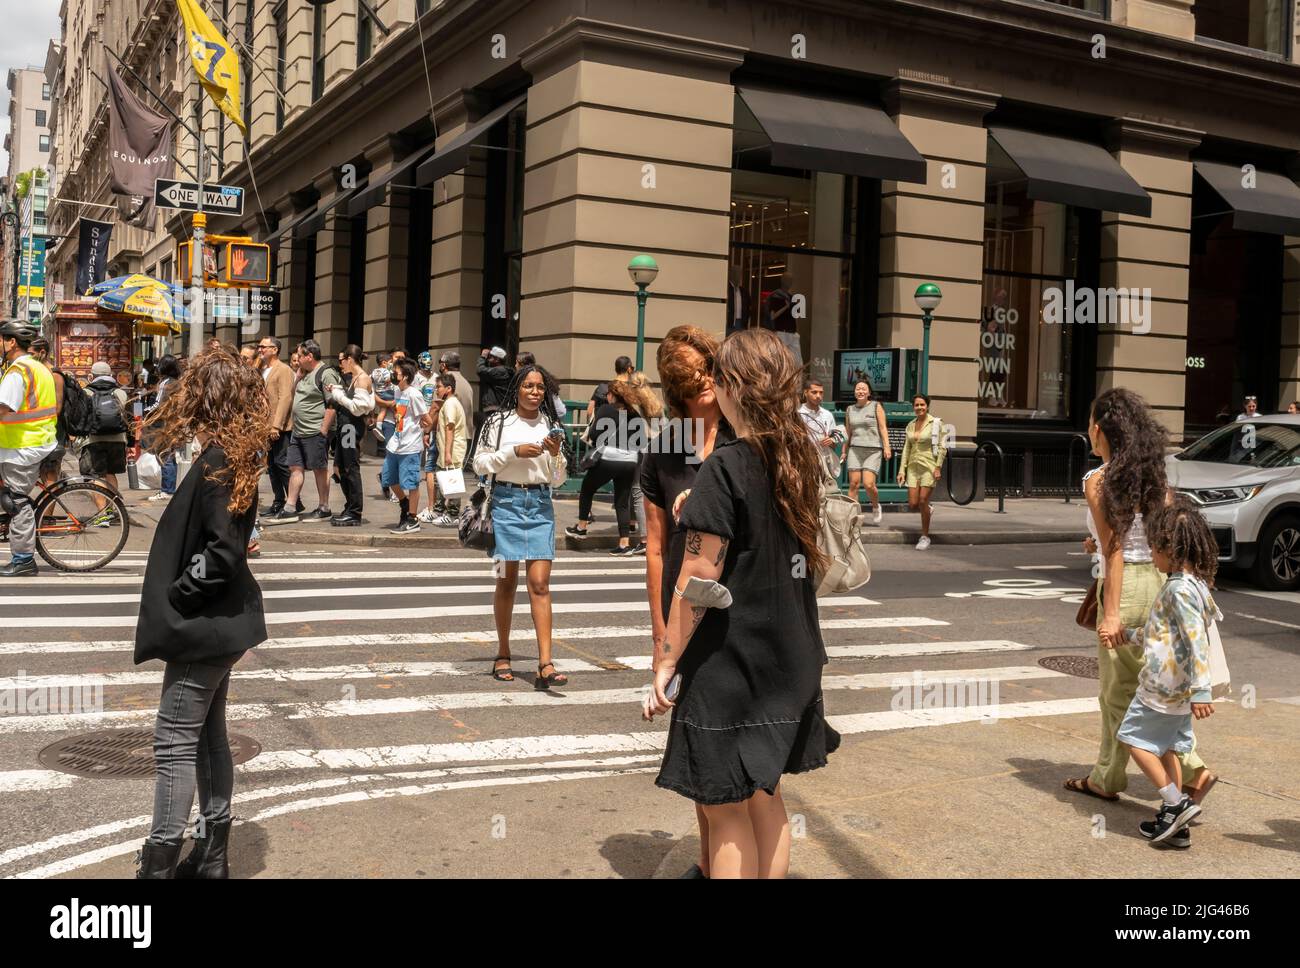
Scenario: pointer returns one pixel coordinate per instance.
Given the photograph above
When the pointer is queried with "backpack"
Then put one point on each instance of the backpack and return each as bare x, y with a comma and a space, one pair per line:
840, 539
106, 412
76, 418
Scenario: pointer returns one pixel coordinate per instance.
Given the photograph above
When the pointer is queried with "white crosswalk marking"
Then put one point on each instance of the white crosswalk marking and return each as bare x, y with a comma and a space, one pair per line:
395, 650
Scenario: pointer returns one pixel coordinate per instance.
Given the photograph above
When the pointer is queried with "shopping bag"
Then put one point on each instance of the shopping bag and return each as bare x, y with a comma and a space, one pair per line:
149, 471
451, 483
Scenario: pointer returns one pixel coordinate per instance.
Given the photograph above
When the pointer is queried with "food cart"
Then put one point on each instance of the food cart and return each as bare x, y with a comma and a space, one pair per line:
85, 333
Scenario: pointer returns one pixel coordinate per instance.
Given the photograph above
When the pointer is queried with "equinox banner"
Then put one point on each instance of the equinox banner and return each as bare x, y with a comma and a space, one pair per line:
140, 150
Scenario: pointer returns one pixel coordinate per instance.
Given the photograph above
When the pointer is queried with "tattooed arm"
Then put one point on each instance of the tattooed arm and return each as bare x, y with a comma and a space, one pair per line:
705, 555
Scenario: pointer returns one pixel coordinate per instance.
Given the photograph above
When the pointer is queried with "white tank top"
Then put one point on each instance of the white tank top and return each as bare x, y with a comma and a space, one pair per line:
1134, 543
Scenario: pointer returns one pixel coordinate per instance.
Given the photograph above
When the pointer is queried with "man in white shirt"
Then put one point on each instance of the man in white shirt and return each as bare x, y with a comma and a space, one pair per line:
821, 426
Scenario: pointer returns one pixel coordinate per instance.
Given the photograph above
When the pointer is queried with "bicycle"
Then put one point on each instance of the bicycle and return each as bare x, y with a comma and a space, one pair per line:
75, 531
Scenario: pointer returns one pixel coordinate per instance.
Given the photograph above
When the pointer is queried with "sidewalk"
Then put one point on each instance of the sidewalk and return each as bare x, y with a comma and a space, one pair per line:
1027, 520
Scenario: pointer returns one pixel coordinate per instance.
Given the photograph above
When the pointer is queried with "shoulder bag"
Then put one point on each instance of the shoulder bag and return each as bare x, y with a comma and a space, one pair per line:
840, 538
474, 527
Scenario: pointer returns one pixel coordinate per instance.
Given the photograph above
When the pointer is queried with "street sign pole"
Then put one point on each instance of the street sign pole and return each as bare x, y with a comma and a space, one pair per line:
196, 249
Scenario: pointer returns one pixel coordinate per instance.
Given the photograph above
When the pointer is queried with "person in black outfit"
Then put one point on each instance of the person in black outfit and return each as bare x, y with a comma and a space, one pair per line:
668, 471
749, 708
352, 402
201, 607
616, 436
494, 379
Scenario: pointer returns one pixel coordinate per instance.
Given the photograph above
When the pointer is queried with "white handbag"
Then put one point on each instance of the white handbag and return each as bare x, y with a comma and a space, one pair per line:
840, 538
148, 471
451, 483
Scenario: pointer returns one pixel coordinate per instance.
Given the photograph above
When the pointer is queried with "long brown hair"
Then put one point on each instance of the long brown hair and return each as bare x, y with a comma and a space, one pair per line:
225, 399
758, 372
1134, 482
681, 380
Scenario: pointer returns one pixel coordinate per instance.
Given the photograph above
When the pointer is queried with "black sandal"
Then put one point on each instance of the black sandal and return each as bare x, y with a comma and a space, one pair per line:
1082, 786
505, 674
554, 679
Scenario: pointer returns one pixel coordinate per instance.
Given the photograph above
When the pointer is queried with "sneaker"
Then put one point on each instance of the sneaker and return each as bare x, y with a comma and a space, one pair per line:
1181, 838
574, 531
317, 516
623, 552
104, 519
640, 549
877, 515
407, 525
160, 496
270, 510
445, 520
1170, 820
345, 520
923, 543
438, 509
284, 517
393, 498
426, 516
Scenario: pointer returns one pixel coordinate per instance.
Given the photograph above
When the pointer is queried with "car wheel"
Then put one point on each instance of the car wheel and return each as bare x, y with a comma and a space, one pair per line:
1277, 562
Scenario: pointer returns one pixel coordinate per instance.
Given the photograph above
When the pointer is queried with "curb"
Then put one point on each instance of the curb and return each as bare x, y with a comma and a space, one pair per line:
329, 535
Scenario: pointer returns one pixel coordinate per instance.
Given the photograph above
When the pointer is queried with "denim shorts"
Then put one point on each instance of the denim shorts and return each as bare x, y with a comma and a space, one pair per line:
402, 470
1146, 729
430, 465
523, 523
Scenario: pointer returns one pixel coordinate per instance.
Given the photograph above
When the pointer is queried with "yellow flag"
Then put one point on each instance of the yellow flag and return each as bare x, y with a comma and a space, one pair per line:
214, 59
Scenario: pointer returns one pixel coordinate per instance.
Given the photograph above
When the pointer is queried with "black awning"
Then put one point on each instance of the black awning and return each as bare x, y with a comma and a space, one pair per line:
374, 193
288, 227
1272, 206
817, 134
1072, 172
455, 154
316, 221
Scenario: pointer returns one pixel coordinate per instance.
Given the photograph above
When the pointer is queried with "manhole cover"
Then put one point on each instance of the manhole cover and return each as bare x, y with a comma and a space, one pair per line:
121, 753
1083, 666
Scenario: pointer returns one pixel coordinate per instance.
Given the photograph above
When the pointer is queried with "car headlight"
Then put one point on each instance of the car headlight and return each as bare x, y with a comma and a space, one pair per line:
1209, 496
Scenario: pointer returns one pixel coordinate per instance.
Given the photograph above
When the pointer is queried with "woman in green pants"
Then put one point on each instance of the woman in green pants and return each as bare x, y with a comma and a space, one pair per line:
1129, 482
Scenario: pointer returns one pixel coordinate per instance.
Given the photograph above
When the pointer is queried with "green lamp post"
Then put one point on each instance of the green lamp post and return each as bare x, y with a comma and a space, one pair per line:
643, 270
928, 298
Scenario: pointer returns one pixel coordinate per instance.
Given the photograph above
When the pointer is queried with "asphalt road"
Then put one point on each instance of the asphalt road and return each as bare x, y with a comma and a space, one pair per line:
387, 750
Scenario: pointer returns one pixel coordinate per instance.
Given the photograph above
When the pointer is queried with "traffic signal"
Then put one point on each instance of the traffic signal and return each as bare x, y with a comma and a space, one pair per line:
185, 269
245, 263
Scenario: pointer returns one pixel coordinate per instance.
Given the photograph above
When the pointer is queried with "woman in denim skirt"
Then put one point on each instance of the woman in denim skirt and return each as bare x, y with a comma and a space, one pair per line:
520, 446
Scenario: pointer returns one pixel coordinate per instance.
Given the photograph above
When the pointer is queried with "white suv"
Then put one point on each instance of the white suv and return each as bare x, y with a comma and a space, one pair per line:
1245, 477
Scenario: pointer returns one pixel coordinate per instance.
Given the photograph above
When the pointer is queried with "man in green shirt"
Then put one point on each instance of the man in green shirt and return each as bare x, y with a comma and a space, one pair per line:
308, 448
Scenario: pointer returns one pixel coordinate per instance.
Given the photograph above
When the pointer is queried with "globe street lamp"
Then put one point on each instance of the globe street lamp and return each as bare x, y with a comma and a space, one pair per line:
643, 270
928, 297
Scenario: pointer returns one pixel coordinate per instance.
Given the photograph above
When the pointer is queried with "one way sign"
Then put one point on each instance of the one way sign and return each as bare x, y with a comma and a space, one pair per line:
219, 199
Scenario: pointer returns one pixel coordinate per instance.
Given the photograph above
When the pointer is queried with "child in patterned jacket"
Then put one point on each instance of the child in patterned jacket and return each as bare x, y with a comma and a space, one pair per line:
1174, 681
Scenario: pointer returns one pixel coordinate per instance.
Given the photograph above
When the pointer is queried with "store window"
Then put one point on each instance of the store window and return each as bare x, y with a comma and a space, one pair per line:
504, 239
1031, 251
1258, 24
792, 254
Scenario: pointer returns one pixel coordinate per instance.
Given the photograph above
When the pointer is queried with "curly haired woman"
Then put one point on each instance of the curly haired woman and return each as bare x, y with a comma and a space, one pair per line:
1129, 484
201, 608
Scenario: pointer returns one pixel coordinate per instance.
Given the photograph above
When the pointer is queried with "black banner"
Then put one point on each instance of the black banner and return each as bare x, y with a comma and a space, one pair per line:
92, 253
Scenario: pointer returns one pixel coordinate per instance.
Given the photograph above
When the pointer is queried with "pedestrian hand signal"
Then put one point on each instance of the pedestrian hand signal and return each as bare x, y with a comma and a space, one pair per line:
248, 263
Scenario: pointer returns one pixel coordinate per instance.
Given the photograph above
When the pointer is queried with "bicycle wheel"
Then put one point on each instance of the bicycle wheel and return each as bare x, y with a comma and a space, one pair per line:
81, 525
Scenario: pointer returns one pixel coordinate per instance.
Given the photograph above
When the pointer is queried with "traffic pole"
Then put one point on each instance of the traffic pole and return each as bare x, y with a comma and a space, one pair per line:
200, 222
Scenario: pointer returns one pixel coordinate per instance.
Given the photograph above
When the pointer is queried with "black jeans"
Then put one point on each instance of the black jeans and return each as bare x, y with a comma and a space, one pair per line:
190, 748
277, 469
347, 461
623, 474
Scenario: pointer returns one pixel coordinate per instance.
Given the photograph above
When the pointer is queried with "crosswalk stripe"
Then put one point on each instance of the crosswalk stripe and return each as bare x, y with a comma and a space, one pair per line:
952, 715
887, 651
390, 614
333, 576
519, 634
246, 712
243, 796
330, 590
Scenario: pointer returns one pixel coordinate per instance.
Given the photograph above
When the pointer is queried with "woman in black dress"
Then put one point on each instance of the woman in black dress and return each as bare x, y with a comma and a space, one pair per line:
749, 707
201, 607
667, 473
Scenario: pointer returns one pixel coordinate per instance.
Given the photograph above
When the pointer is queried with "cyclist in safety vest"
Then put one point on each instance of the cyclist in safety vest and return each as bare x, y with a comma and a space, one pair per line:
29, 413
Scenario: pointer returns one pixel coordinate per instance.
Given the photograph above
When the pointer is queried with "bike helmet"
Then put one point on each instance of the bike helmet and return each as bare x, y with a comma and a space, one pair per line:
425, 360
19, 330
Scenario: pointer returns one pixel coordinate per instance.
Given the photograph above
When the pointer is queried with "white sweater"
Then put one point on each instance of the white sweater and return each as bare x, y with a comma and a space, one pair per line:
518, 470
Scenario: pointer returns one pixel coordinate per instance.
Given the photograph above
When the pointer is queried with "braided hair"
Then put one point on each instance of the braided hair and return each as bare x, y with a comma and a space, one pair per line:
551, 390
1178, 530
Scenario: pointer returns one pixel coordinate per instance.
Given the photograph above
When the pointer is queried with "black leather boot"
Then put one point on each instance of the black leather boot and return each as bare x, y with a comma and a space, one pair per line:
158, 861
208, 860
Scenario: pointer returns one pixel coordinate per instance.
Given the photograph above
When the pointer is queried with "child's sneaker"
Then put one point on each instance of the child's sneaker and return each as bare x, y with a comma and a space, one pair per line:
445, 520
1181, 838
1172, 819
426, 516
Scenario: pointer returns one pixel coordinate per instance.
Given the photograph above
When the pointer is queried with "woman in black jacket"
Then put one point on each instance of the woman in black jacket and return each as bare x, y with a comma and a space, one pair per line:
201, 608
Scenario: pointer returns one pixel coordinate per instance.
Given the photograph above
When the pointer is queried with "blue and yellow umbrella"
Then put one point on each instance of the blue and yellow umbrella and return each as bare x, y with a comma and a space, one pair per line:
159, 303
